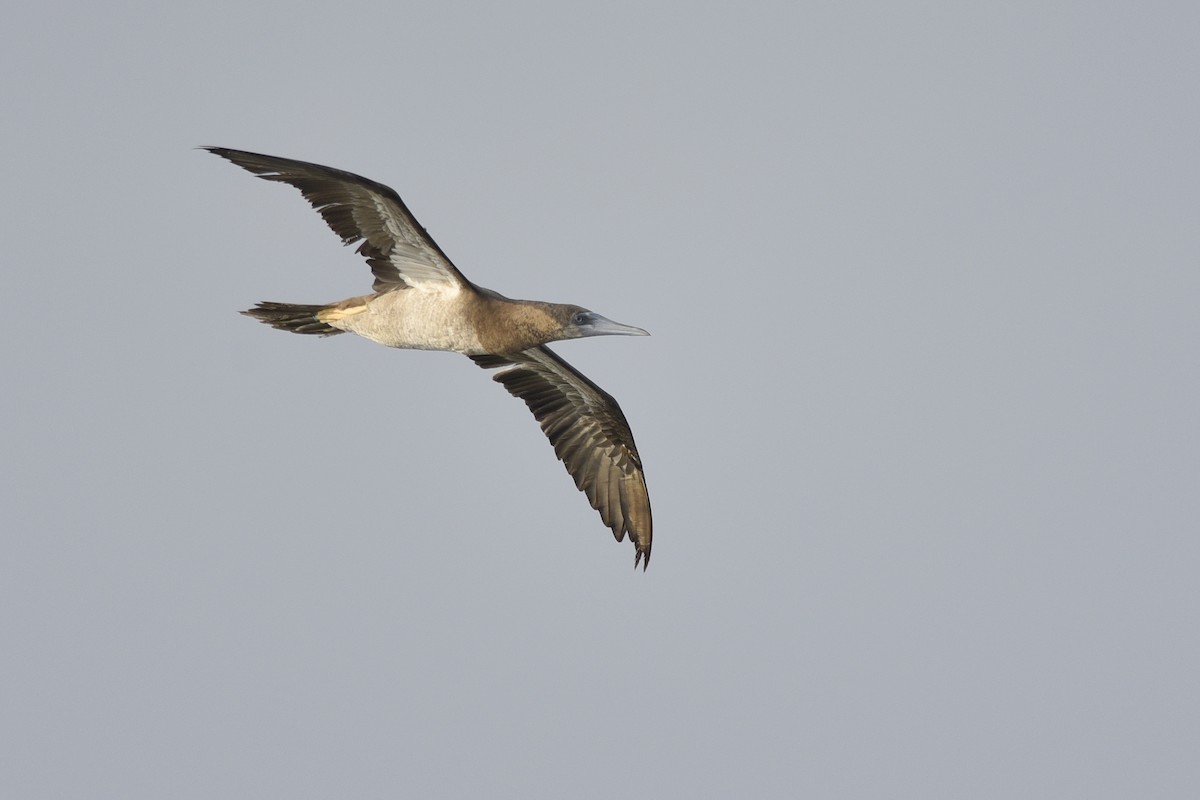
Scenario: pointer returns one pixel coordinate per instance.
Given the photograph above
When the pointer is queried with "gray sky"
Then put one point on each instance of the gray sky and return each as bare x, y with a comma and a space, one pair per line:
918, 415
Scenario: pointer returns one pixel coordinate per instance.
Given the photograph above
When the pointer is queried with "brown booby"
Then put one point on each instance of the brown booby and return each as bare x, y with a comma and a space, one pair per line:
421, 301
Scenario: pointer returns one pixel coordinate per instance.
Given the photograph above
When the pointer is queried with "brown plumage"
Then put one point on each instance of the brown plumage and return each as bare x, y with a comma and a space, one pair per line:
421, 301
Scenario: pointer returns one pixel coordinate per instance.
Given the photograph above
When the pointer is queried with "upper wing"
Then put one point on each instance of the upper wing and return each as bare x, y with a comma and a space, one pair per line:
590, 436
398, 249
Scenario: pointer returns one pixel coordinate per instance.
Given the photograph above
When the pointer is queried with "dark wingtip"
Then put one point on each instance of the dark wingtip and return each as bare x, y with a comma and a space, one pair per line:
641, 557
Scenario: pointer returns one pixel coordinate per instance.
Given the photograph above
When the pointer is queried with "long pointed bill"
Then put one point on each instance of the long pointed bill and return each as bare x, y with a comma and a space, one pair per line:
603, 326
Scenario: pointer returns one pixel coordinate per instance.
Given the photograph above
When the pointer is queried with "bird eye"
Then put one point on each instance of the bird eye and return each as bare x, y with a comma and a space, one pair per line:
580, 318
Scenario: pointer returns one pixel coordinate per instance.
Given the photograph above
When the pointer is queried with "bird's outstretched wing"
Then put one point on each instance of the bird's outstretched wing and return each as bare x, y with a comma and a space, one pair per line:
589, 434
398, 249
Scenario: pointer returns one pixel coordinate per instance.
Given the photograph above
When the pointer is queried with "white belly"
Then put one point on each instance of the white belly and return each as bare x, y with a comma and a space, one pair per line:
429, 317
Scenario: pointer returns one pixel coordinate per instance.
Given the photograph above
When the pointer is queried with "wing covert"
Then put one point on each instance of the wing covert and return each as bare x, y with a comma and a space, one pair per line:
399, 251
590, 436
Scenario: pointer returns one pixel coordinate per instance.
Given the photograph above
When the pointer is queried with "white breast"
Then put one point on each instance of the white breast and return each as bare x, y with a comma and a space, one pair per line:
424, 317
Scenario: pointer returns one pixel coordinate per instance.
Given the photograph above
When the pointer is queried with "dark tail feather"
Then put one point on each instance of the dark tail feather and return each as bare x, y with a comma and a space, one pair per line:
292, 317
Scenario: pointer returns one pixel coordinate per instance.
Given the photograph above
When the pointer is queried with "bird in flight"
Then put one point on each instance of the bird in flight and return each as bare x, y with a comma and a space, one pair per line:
421, 301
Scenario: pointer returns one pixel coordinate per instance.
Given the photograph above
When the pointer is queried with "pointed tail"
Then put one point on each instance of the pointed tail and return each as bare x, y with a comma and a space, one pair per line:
292, 317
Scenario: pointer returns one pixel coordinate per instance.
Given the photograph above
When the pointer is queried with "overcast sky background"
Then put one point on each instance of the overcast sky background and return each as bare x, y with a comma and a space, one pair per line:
918, 415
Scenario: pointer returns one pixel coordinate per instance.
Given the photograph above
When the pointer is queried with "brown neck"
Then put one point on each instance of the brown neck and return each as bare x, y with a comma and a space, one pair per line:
510, 326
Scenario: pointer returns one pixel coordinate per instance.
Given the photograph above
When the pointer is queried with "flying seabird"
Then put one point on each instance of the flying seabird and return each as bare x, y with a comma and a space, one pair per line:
421, 301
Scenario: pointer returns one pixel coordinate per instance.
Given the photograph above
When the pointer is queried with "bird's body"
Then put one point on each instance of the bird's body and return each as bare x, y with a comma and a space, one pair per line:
434, 318
421, 301
445, 318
